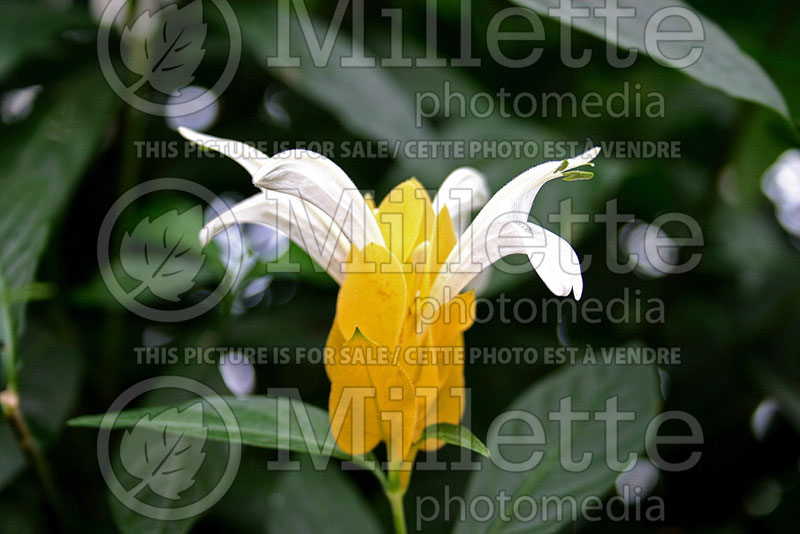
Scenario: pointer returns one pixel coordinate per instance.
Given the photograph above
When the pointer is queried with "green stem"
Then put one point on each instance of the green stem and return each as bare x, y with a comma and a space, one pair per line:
395, 490
12, 412
398, 513
370, 464
8, 352
134, 124
9, 401
392, 486
133, 121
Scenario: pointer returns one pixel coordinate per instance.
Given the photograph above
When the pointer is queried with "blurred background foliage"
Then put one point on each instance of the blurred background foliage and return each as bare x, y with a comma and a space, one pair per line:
67, 152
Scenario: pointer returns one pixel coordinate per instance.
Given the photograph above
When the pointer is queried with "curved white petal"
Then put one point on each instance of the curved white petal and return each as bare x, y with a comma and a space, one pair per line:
557, 264
518, 194
321, 182
306, 225
552, 257
305, 174
463, 191
477, 248
245, 155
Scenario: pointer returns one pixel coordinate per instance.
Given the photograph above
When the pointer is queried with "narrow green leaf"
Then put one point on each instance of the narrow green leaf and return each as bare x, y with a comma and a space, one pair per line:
42, 159
367, 101
267, 422
257, 417
41, 162
455, 435
32, 292
721, 64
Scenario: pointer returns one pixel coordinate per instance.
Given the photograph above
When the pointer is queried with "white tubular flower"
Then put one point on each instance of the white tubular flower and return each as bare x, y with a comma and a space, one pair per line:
502, 228
302, 222
306, 175
463, 191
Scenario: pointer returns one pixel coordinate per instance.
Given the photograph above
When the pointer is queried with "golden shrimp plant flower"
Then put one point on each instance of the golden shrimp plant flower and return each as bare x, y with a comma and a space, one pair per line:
396, 342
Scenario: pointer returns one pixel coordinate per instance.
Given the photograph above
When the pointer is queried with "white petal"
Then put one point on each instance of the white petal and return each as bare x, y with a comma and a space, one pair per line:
305, 174
557, 264
463, 191
245, 155
518, 194
475, 250
306, 225
321, 182
552, 257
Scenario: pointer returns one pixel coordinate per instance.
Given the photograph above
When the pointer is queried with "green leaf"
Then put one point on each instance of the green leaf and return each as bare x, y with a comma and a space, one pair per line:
41, 162
166, 462
455, 435
33, 28
268, 422
589, 386
196, 465
721, 65
318, 501
368, 101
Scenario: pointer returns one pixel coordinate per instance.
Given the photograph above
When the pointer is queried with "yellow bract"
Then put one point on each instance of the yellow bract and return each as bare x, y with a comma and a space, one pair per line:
374, 276
396, 368
405, 217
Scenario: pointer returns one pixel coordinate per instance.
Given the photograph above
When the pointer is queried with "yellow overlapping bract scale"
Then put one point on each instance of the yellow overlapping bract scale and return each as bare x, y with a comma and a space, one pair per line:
397, 404
427, 385
452, 396
372, 399
352, 405
333, 347
373, 296
443, 240
405, 217
455, 317
417, 275
447, 346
